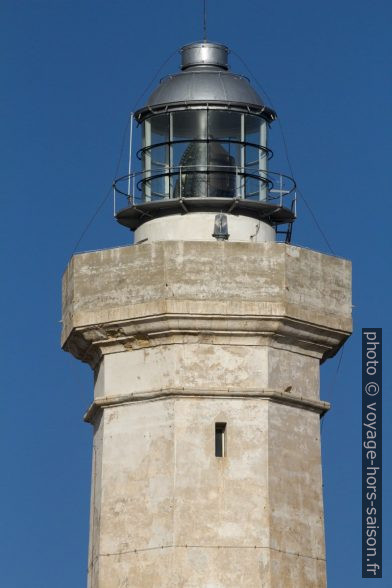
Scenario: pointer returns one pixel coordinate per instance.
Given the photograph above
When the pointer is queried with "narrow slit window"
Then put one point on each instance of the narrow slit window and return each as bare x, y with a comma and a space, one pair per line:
220, 439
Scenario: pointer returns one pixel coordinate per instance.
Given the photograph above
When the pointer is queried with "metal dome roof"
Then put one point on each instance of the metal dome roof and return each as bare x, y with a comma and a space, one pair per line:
205, 80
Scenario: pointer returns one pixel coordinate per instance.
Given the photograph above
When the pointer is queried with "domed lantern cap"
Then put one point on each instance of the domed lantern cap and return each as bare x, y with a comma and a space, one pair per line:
205, 80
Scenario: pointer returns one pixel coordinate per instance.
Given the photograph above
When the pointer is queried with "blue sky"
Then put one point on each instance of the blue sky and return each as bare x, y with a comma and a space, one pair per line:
72, 71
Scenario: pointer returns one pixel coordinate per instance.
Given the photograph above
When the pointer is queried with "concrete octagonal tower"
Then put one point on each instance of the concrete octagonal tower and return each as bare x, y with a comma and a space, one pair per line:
205, 338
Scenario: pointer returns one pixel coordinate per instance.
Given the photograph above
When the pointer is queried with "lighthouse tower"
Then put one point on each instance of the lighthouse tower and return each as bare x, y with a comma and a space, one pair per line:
205, 338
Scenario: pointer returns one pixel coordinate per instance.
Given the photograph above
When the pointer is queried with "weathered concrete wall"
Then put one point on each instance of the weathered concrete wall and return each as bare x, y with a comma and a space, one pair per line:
95, 504
130, 296
172, 514
104, 284
181, 336
295, 498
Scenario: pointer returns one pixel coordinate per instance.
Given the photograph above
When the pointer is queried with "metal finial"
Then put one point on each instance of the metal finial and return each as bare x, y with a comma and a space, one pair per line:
205, 21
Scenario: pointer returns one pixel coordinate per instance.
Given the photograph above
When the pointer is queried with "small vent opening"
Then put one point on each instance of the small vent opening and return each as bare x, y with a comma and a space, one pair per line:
220, 439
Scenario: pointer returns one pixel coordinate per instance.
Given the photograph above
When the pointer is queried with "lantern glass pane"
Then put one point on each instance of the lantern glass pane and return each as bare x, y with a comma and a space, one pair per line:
252, 128
224, 125
160, 128
189, 124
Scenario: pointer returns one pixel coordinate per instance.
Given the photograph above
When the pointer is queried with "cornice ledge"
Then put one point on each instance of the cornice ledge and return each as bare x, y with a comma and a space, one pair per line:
88, 343
278, 396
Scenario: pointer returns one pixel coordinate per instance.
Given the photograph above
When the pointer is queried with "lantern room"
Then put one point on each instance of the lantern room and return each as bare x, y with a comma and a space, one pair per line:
205, 152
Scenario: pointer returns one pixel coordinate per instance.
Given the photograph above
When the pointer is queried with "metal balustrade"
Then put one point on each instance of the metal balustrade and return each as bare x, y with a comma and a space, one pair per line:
205, 181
